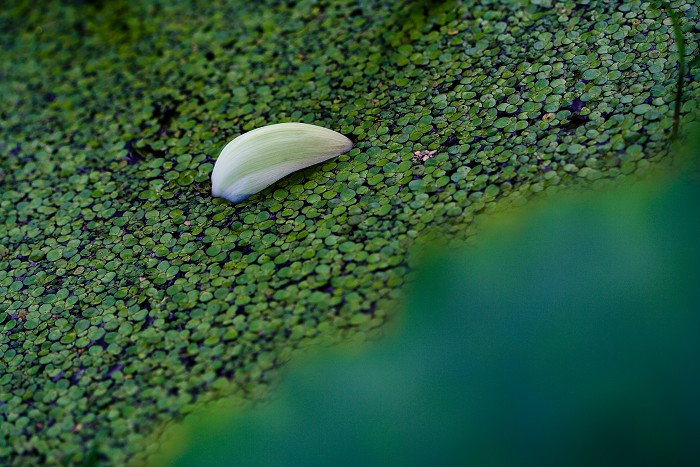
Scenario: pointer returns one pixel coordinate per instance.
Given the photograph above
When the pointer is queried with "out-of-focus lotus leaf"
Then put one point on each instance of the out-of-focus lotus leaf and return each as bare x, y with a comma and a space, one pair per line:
568, 337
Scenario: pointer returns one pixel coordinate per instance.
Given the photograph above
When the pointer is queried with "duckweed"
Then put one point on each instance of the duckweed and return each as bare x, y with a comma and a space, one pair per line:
128, 294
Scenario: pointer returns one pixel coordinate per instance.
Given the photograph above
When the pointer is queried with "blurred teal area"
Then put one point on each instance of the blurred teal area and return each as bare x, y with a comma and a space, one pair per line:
568, 336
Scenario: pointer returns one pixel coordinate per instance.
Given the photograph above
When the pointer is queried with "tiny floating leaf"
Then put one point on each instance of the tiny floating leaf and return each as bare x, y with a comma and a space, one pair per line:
257, 159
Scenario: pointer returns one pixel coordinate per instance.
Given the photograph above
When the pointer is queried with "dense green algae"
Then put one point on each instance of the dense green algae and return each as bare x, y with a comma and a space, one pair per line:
127, 293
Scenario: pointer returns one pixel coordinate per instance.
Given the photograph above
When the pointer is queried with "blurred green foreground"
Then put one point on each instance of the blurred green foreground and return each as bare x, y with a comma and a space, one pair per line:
569, 336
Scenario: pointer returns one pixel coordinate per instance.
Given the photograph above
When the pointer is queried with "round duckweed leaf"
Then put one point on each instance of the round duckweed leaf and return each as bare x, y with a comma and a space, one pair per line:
641, 109
574, 149
54, 255
81, 325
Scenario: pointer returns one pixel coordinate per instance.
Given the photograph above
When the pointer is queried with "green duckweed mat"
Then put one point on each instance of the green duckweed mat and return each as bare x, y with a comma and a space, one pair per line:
128, 294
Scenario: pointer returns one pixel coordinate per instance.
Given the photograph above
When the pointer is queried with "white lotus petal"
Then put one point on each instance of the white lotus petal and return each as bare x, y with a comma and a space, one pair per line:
257, 159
